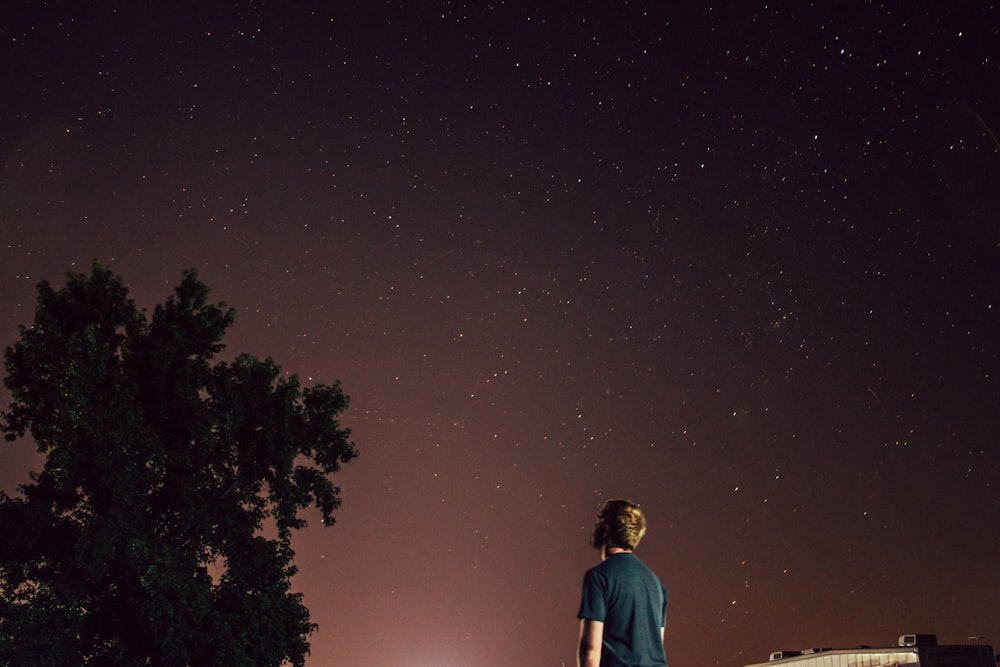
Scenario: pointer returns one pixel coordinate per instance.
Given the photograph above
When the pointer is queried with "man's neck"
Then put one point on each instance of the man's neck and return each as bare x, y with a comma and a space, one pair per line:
611, 551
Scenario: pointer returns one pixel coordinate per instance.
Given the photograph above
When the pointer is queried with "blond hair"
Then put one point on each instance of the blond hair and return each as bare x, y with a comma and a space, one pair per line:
620, 523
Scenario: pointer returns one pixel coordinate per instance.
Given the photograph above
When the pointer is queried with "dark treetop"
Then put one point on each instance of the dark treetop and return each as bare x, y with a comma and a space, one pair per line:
158, 531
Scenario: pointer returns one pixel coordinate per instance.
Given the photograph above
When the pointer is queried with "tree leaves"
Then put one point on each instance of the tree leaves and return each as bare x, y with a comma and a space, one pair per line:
145, 533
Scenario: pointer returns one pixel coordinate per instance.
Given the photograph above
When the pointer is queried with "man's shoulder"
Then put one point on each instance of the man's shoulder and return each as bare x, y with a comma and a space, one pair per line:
607, 568
631, 567
621, 562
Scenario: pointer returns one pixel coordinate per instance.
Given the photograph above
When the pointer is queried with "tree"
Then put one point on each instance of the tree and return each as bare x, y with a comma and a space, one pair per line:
158, 531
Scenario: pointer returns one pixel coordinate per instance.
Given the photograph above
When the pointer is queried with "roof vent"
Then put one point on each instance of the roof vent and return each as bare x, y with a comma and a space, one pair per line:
918, 640
781, 655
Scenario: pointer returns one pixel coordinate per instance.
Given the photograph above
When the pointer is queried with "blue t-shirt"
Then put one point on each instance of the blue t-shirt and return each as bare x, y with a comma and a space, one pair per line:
631, 601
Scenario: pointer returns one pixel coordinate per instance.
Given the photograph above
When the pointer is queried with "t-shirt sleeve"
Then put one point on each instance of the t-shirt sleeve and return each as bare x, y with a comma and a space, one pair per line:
593, 601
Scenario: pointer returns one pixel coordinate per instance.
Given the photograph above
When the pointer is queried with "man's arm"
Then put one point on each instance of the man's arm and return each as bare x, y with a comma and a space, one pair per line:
591, 636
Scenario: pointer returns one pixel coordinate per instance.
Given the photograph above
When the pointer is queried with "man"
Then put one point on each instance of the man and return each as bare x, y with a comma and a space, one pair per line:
624, 605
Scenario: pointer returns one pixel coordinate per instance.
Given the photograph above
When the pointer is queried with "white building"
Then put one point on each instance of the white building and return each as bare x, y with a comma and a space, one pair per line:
922, 650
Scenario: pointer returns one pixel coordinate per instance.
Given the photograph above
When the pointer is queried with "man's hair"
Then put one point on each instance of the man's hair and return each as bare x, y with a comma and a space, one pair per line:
620, 523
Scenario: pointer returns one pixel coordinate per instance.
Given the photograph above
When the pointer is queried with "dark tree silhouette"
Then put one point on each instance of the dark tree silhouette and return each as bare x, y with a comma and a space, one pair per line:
158, 531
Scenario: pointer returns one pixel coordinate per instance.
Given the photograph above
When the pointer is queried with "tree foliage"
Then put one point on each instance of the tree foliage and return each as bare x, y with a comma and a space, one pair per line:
159, 530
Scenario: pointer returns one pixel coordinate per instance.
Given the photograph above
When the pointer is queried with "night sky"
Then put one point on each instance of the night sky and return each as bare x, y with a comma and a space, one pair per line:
739, 263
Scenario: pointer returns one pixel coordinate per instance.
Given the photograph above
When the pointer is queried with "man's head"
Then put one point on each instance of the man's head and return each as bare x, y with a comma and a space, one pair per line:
620, 523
